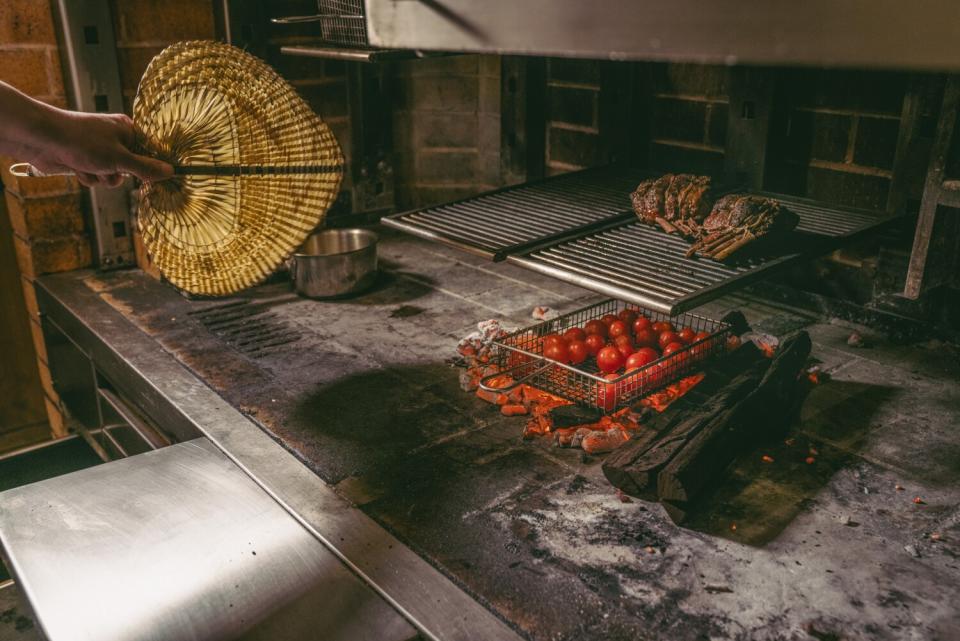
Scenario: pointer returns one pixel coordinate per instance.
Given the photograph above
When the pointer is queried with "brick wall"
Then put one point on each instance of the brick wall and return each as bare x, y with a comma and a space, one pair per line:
446, 125
46, 215
834, 135
573, 115
688, 117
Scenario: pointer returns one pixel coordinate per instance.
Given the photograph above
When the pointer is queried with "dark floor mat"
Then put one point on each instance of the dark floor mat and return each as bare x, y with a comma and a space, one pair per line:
61, 458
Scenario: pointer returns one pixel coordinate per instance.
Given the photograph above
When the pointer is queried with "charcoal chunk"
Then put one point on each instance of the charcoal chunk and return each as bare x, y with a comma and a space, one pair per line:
570, 415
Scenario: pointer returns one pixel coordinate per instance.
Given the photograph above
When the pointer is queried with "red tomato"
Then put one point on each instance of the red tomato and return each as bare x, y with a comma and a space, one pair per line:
646, 338
628, 316
662, 326
618, 328
558, 352
733, 342
578, 351
623, 340
672, 347
687, 335
701, 335
641, 324
609, 359
595, 327
607, 394
641, 357
668, 337
594, 343
625, 348
654, 376
607, 319
553, 339
574, 334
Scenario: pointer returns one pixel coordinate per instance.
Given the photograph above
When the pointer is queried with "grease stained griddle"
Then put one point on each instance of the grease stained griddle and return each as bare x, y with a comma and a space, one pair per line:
580, 228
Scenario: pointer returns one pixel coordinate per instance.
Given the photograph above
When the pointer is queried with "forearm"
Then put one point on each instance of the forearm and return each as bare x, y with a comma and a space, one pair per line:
27, 125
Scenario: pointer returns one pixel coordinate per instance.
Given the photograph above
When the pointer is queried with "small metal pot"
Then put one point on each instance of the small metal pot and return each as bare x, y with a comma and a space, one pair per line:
335, 262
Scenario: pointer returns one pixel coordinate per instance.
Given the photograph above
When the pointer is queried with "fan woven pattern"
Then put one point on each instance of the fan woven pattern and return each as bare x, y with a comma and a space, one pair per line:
273, 168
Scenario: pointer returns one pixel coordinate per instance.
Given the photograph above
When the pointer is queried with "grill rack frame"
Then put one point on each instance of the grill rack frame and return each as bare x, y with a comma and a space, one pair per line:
520, 354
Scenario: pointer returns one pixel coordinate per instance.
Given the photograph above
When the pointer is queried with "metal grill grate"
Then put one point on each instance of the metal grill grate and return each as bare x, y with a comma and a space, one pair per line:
581, 229
247, 327
509, 220
643, 265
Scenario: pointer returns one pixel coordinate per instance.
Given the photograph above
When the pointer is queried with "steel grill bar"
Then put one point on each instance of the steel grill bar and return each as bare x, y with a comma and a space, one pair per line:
516, 218
580, 228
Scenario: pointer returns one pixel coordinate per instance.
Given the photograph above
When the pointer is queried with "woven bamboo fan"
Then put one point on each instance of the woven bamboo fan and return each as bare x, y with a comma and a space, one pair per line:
255, 169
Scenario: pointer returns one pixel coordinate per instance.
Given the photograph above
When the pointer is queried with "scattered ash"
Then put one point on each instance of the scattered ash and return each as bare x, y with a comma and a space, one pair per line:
577, 484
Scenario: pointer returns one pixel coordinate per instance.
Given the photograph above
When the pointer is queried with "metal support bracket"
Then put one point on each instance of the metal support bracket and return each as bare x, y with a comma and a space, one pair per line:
92, 81
748, 125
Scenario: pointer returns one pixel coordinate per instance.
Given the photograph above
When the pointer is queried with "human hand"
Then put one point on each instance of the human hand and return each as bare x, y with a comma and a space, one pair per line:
98, 148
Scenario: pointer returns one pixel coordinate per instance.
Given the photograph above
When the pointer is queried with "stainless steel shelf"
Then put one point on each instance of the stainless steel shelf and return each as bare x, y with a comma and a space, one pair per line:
579, 228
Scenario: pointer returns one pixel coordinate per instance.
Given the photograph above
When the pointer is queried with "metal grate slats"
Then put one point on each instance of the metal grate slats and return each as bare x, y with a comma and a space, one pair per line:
581, 229
504, 221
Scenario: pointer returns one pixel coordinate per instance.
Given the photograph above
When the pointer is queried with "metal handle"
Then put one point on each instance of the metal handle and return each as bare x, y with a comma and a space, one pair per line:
483, 381
315, 18
26, 170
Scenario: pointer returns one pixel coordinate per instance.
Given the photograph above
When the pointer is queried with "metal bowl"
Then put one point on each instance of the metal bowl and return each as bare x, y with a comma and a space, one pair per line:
335, 262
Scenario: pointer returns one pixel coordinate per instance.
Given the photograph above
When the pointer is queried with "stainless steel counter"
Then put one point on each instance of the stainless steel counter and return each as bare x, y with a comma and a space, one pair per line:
186, 407
179, 544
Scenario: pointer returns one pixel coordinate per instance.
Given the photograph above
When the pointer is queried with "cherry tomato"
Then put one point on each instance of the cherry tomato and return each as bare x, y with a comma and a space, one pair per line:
733, 342
623, 339
676, 361
642, 357
646, 338
553, 339
662, 326
670, 348
618, 328
625, 348
686, 335
668, 337
654, 376
578, 351
609, 359
701, 350
628, 316
607, 393
595, 327
574, 334
558, 352
594, 343
607, 319
641, 324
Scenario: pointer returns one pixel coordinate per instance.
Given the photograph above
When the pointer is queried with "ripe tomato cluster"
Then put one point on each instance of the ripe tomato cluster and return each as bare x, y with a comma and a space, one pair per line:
624, 342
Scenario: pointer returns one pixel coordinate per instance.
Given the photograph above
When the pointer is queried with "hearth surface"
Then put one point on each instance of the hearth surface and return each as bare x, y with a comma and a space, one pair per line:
824, 550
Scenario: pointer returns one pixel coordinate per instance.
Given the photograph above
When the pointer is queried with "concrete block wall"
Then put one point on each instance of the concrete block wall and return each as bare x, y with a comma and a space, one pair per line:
446, 126
46, 215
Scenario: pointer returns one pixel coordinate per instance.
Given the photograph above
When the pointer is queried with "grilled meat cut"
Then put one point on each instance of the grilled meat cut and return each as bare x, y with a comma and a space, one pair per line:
737, 220
676, 202
682, 204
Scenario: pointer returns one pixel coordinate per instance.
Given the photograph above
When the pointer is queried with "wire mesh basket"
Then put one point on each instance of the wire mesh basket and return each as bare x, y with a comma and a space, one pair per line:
342, 22
520, 355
